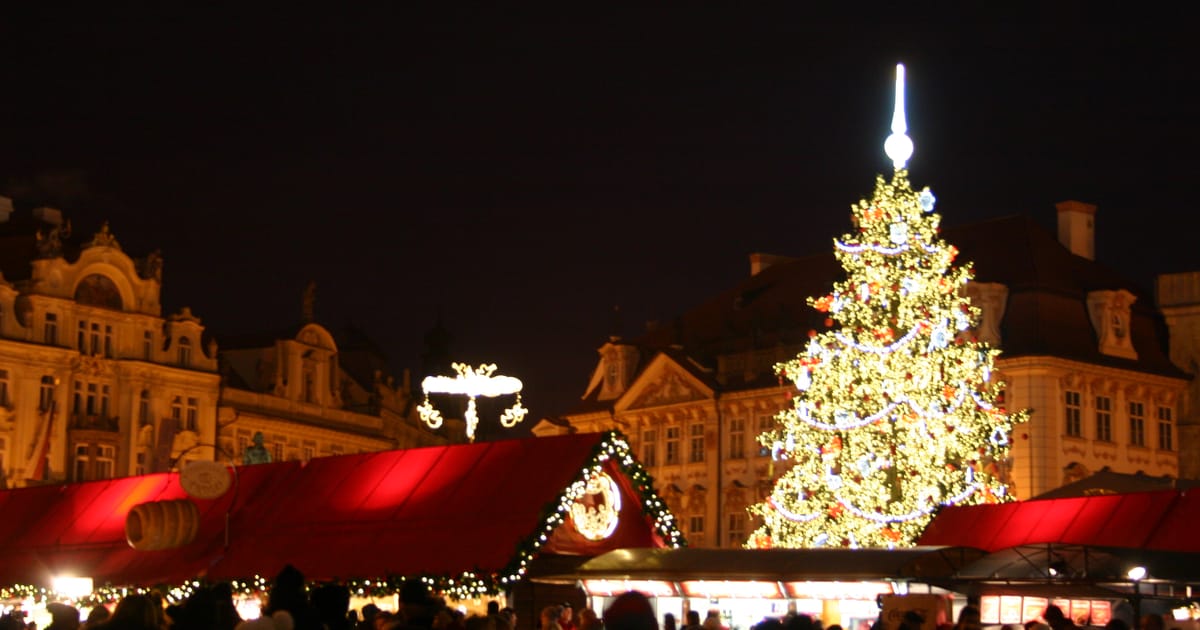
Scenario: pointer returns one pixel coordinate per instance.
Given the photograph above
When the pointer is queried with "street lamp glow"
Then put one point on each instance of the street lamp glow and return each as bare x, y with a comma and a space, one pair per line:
1137, 573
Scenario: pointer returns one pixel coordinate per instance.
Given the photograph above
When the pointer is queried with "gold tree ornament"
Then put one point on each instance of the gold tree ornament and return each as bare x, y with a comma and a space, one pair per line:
472, 382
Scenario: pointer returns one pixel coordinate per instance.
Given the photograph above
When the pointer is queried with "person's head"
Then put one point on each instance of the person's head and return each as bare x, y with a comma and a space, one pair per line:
669, 621
550, 616
969, 617
136, 611
912, 620
630, 611
63, 615
98, 614
332, 602
567, 613
1053, 614
510, 615
493, 607
693, 617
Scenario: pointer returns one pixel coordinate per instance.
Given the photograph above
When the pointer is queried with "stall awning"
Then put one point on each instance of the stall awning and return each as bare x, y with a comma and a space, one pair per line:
914, 563
1159, 520
462, 512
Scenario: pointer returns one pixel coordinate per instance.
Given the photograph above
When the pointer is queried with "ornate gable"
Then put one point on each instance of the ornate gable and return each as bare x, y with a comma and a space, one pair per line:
664, 382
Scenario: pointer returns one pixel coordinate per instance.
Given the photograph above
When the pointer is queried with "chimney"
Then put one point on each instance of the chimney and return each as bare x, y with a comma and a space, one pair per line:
1077, 227
760, 261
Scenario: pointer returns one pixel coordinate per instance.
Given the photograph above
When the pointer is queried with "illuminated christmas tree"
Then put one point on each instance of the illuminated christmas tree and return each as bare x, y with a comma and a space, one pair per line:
896, 408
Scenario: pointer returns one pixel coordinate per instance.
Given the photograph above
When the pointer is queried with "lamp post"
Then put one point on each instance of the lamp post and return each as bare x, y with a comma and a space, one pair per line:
472, 382
1136, 574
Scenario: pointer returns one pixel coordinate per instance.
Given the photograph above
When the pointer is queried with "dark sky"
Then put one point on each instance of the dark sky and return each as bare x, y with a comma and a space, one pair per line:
523, 173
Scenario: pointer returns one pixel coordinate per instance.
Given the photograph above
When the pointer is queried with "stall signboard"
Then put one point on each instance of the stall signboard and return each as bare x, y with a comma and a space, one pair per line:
612, 588
722, 589
933, 609
1015, 609
1032, 608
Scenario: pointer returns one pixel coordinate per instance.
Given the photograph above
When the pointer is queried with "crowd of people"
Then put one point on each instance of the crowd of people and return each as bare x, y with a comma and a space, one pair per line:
289, 606
292, 606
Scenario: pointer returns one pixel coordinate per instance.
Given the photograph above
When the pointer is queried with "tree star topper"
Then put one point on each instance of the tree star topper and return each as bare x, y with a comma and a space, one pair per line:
472, 382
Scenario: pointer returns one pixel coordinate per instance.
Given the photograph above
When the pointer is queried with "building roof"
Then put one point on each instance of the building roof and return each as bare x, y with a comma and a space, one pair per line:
468, 514
1046, 313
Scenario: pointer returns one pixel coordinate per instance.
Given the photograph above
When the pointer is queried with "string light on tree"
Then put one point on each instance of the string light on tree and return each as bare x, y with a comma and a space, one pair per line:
472, 382
896, 409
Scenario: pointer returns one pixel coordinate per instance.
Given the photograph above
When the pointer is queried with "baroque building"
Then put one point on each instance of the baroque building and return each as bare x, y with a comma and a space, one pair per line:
96, 382
1103, 368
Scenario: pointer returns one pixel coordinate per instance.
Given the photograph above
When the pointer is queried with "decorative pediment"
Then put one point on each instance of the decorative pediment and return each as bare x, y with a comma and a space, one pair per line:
664, 383
1110, 315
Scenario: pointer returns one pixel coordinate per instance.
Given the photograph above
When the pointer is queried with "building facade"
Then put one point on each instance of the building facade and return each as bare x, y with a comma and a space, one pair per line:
1083, 348
96, 382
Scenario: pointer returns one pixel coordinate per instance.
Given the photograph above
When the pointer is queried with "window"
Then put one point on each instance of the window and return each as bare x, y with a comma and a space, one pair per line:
308, 451
696, 443
91, 399
140, 467
46, 393
649, 447
672, 445
1166, 439
277, 451
147, 345
177, 411
144, 407
193, 413
3, 388
1074, 427
50, 329
105, 463
243, 440
737, 438
737, 529
1137, 424
185, 351
81, 462
108, 342
695, 531
1104, 418
765, 424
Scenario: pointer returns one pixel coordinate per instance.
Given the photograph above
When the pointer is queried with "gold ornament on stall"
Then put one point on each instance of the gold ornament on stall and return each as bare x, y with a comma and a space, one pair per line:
597, 511
472, 382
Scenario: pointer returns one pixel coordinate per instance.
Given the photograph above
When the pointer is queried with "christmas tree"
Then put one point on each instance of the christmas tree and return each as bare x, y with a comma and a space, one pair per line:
896, 408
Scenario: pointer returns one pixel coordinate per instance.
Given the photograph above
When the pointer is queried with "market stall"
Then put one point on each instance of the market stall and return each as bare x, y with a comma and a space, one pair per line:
472, 519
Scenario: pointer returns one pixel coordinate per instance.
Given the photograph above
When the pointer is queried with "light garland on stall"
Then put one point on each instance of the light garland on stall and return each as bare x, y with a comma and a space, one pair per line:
593, 479
894, 411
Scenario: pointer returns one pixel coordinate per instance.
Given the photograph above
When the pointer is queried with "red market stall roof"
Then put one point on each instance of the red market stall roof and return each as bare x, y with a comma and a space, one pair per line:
1094, 539
1161, 520
470, 517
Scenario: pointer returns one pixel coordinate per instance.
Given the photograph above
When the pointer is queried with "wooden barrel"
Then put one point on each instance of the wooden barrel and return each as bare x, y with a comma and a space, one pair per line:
162, 524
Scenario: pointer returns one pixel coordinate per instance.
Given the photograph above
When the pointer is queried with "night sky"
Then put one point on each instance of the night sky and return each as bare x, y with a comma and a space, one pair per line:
522, 174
